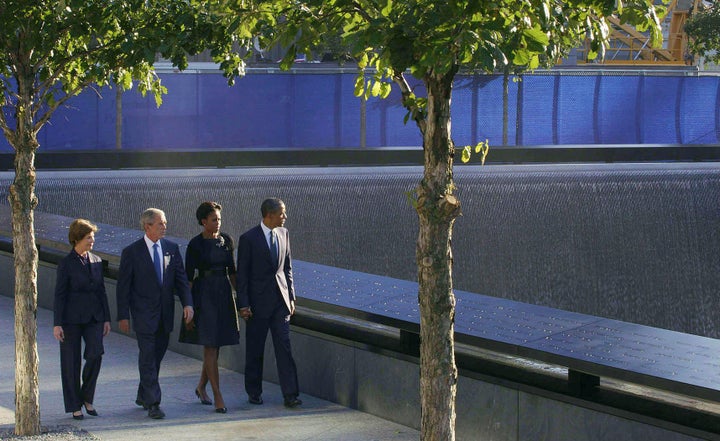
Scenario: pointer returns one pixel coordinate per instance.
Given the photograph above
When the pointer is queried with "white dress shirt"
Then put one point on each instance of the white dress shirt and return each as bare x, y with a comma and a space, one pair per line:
266, 231
150, 244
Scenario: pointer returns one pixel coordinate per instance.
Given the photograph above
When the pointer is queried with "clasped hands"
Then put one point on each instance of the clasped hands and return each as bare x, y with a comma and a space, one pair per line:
245, 313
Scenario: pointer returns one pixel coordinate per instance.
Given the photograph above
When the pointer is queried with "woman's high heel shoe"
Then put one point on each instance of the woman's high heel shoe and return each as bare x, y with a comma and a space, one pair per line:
89, 411
202, 400
78, 415
221, 409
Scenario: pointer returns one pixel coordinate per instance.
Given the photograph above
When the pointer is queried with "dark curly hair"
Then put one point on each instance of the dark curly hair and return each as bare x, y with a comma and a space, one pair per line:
205, 209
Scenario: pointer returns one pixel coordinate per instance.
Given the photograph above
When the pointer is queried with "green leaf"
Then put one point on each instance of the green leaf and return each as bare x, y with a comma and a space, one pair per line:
534, 62
537, 35
125, 80
387, 9
466, 153
158, 99
522, 57
359, 86
483, 148
368, 89
412, 198
385, 90
363, 61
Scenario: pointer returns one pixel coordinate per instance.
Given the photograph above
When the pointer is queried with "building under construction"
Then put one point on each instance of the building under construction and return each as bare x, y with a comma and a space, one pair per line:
628, 46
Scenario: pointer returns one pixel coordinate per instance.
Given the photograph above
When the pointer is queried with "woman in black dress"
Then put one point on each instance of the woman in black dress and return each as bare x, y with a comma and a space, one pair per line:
81, 313
211, 269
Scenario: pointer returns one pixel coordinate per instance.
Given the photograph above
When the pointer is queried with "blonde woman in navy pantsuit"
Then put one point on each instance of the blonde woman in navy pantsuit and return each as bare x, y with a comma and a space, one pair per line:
81, 313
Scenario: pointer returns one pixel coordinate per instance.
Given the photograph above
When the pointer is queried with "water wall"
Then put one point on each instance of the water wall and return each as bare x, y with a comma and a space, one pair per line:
636, 243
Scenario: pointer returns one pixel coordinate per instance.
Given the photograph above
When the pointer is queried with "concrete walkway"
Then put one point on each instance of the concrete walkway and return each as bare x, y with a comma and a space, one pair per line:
187, 419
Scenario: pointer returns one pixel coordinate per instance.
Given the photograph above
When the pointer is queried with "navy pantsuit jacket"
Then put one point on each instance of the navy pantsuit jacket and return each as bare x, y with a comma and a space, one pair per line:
80, 296
139, 293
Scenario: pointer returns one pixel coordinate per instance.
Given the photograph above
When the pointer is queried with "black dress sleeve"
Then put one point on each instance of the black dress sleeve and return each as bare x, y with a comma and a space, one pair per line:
193, 256
229, 255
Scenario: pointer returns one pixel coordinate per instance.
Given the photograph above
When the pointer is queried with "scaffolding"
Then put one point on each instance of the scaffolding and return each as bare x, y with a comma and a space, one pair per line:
628, 46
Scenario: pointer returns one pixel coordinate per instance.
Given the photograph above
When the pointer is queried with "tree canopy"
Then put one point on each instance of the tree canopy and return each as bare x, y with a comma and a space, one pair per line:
422, 36
64, 46
703, 28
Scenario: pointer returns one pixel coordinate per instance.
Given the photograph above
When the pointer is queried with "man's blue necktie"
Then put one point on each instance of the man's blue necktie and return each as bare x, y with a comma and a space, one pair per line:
273, 247
156, 262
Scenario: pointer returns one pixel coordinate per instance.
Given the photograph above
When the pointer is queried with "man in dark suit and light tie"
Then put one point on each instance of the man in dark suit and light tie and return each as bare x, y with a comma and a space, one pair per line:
266, 298
151, 272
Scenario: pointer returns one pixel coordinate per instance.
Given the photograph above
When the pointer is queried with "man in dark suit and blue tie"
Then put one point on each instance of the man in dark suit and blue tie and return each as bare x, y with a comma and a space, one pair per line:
151, 273
266, 299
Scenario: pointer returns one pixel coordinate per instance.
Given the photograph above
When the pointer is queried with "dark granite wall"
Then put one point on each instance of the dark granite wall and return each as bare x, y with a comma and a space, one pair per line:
634, 242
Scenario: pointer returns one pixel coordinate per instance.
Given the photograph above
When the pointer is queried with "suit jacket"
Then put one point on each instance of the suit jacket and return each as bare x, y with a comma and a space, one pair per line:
258, 278
139, 293
80, 295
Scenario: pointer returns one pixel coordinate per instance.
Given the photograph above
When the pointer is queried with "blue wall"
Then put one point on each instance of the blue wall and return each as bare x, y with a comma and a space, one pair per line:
301, 110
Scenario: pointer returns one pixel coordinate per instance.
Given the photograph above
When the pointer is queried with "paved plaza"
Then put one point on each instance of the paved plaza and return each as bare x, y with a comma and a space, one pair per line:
186, 419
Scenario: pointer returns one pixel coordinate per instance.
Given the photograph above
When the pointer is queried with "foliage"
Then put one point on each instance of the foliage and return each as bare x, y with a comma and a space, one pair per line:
481, 148
422, 37
703, 28
332, 48
65, 46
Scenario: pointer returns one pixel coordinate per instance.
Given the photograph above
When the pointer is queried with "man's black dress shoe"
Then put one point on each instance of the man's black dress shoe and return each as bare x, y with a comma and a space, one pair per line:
202, 400
292, 401
155, 412
141, 403
255, 399
78, 416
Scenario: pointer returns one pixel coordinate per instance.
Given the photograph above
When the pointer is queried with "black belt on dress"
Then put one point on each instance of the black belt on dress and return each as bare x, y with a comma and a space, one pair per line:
212, 272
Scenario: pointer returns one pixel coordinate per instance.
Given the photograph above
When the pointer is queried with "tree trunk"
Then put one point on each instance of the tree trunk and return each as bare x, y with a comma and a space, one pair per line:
437, 209
506, 93
23, 201
118, 116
